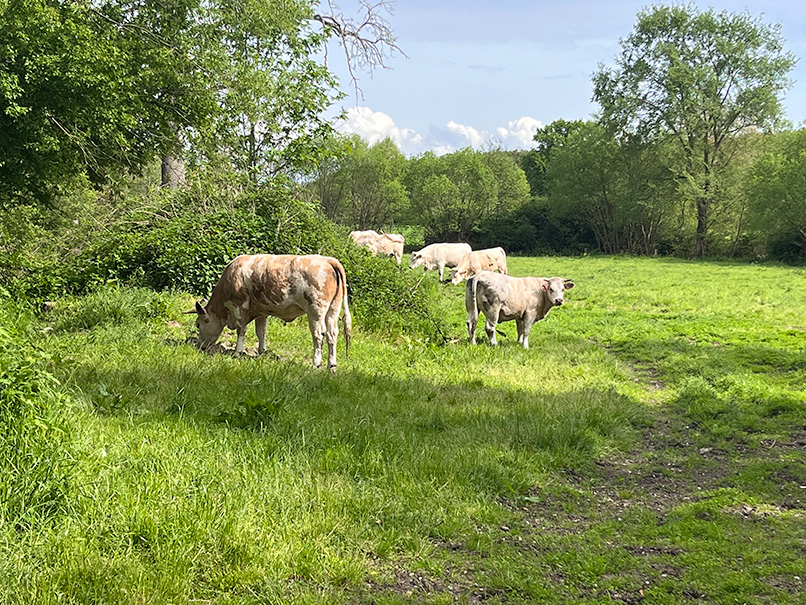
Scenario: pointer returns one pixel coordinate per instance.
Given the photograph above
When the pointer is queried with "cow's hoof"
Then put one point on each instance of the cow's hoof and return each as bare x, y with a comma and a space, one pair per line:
332, 369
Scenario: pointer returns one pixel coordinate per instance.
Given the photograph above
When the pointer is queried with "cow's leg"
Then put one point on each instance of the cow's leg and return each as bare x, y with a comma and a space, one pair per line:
472, 322
317, 327
519, 324
441, 267
260, 330
528, 322
332, 334
241, 339
472, 312
491, 323
489, 327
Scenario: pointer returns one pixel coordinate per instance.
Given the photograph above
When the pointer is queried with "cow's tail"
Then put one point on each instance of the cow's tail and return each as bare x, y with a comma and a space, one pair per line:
346, 318
470, 299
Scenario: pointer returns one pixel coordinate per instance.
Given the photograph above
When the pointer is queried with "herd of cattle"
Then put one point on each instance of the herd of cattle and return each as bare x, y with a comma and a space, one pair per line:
252, 287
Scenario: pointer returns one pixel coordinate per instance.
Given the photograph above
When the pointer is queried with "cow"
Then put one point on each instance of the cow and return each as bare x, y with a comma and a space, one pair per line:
491, 259
504, 298
439, 256
284, 286
361, 237
380, 244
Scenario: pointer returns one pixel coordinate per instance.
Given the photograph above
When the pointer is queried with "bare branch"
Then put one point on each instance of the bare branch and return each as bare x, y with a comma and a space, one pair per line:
367, 41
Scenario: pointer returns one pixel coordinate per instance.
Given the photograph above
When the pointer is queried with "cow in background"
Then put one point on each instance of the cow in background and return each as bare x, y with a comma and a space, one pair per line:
490, 259
438, 256
380, 244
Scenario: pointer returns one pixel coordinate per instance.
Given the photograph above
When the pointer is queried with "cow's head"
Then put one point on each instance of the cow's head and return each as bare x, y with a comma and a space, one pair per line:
554, 288
416, 260
209, 325
457, 275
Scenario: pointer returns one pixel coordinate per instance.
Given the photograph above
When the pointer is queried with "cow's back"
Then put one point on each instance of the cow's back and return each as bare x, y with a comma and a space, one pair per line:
452, 254
283, 285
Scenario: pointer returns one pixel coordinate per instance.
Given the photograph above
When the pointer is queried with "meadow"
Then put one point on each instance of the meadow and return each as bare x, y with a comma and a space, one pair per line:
649, 446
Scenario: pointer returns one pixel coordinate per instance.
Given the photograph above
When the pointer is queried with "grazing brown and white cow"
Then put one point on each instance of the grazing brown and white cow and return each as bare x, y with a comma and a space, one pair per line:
380, 244
491, 259
284, 286
439, 256
504, 298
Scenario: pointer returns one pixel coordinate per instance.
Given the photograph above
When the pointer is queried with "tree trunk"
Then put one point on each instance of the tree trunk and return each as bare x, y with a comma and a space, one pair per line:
702, 227
173, 166
173, 172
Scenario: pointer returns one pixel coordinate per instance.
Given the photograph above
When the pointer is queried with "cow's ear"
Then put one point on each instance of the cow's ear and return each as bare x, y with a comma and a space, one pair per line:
544, 285
568, 284
201, 310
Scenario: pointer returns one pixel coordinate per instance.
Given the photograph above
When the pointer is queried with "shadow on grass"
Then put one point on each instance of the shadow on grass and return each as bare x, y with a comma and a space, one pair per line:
495, 438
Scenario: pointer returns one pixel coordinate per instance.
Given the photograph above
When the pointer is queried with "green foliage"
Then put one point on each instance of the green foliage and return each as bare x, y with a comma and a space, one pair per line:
776, 188
34, 461
102, 88
535, 228
182, 240
362, 187
453, 194
698, 79
621, 189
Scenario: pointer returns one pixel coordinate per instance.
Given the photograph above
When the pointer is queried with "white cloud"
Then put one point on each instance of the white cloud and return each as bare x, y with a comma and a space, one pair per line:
374, 126
474, 137
519, 134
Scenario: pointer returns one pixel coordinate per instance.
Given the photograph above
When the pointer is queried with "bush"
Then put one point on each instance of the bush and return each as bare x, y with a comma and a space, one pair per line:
533, 229
184, 240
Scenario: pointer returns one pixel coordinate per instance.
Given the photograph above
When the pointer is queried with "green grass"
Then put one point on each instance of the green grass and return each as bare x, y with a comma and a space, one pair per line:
649, 445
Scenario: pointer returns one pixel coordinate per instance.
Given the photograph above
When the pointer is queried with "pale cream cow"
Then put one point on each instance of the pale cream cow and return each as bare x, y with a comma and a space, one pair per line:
380, 244
490, 259
438, 256
505, 298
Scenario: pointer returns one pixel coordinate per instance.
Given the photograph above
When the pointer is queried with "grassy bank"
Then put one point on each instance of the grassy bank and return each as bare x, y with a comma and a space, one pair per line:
649, 445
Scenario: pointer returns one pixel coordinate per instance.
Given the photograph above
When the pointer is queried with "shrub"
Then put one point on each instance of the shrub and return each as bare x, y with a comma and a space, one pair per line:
185, 238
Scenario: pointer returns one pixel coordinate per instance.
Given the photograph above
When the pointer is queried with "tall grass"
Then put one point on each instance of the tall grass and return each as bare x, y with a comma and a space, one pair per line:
34, 458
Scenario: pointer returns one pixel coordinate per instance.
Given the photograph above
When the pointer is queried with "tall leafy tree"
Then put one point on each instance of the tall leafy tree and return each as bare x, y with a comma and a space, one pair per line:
362, 186
79, 93
535, 162
619, 188
451, 194
698, 79
776, 189
513, 188
98, 86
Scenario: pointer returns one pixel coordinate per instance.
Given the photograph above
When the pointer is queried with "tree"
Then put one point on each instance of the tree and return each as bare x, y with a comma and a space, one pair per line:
103, 86
451, 194
536, 161
513, 188
698, 79
77, 95
374, 195
620, 189
776, 189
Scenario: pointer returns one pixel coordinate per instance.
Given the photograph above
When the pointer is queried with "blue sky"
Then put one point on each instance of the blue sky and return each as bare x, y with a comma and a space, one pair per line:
489, 72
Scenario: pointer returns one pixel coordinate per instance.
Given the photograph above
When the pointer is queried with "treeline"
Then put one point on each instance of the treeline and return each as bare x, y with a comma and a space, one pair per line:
688, 155
580, 190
